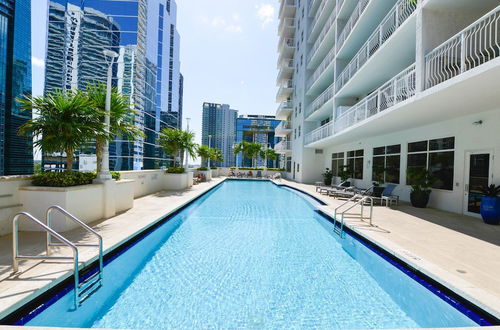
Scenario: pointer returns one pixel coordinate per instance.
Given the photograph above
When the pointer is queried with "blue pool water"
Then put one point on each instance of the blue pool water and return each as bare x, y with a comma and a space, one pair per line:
253, 255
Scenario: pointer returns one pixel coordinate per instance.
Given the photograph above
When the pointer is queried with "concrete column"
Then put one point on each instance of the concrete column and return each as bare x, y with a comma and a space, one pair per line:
109, 204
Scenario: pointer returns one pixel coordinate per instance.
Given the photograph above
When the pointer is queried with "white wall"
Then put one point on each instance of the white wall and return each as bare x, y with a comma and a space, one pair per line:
468, 137
10, 203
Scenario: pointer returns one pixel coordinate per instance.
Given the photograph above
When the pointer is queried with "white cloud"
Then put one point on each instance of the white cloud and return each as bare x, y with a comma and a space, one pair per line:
233, 28
265, 13
38, 62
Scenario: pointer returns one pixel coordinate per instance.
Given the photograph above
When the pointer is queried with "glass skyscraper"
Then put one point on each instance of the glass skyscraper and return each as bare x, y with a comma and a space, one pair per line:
144, 34
16, 152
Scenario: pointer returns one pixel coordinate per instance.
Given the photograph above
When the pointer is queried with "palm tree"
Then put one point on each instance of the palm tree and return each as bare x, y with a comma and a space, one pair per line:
253, 151
243, 148
204, 152
121, 121
65, 122
217, 155
175, 141
268, 154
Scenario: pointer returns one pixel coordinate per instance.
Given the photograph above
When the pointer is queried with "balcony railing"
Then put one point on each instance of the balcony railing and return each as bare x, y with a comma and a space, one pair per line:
287, 23
395, 91
285, 106
287, 42
321, 68
353, 19
319, 133
319, 13
286, 63
284, 125
329, 25
321, 100
392, 21
473, 46
283, 146
287, 3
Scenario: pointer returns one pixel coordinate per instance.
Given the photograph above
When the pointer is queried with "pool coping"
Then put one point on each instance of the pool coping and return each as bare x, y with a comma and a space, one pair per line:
415, 264
29, 303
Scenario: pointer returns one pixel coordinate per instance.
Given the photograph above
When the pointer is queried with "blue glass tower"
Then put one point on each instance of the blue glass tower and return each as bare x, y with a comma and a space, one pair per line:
16, 152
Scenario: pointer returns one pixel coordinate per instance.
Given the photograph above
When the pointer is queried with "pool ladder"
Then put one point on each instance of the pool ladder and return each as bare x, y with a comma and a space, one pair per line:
83, 289
356, 200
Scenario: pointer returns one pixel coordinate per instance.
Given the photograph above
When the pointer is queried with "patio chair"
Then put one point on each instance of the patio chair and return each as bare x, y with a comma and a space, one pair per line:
387, 196
324, 189
231, 174
259, 175
249, 174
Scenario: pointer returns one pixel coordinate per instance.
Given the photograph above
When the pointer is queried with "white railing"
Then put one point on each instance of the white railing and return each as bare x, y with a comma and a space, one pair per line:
392, 21
320, 12
287, 42
353, 19
311, 2
285, 104
326, 29
321, 100
286, 23
284, 125
396, 90
287, 3
321, 68
473, 46
319, 133
283, 146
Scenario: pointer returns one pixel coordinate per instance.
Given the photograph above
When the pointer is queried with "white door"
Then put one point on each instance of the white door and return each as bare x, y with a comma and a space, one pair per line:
478, 173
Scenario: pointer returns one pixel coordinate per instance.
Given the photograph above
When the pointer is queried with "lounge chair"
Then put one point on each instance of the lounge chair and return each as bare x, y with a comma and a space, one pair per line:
249, 174
324, 189
350, 192
387, 196
231, 174
259, 175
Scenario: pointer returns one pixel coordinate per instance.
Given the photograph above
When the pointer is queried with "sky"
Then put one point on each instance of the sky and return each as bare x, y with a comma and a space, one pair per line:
228, 54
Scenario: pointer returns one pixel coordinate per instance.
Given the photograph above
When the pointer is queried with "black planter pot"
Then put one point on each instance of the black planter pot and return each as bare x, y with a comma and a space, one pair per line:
419, 199
328, 182
346, 184
377, 191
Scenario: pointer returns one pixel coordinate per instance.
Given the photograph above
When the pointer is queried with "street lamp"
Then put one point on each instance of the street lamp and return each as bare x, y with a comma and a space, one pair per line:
209, 146
104, 173
187, 155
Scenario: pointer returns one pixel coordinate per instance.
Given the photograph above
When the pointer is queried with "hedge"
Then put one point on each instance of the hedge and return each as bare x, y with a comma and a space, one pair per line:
67, 179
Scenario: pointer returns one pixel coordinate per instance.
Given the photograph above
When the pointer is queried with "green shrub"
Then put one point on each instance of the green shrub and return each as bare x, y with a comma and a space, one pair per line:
68, 179
203, 168
213, 167
276, 169
175, 170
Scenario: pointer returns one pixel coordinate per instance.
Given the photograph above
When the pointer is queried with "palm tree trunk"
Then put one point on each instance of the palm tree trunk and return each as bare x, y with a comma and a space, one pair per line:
69, 160
99, 151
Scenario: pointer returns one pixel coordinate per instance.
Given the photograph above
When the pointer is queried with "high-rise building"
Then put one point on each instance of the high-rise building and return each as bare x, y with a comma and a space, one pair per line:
144, 34
258, 129
16, 152
219, 130
385, 86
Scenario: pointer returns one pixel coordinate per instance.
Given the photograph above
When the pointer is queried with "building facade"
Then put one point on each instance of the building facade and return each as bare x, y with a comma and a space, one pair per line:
147, 70
219, 130
258, 129
392, 85
16, 152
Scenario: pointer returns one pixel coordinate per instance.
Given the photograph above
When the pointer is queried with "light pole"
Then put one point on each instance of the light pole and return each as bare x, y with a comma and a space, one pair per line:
104, 173
209, 146
187, 155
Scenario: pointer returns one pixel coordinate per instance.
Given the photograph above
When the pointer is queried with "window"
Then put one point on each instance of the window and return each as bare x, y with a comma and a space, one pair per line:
298, 168
438, 156
355, 163
386, 163
337, 162
299, 131
300, 107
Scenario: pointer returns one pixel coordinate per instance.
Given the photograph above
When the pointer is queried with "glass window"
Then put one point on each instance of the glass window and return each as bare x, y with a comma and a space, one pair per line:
441, 165
337, 162
355, 163
386, 164
442, 144
379, 151
417, 146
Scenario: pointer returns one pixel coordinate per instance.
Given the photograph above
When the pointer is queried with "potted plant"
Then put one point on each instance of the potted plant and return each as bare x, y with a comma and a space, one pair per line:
490, 204
345, 172
421, 182
327, 177
378, 175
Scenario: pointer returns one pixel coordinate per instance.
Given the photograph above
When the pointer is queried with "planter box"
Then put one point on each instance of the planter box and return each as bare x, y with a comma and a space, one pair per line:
215, 173
207, 174
179, 181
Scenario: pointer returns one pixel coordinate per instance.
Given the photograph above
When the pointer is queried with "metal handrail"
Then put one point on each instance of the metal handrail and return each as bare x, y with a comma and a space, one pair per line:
361, 202
83, 225
15, 249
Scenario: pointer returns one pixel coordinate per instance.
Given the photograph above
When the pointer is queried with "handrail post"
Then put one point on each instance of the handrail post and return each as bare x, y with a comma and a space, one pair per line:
15, 244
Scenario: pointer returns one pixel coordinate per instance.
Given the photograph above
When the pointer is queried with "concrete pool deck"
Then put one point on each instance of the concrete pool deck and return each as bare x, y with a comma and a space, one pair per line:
457, 251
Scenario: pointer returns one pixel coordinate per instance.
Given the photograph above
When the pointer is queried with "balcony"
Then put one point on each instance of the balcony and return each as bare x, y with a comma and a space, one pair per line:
283, 147
285, 91
287, 27
398, 89
326, 10
287, 8
285, 70
284, 110
283, 129
312, 8
320, 107
325, 41
353, 19
319, 79
477, 44
394, 19
287, 47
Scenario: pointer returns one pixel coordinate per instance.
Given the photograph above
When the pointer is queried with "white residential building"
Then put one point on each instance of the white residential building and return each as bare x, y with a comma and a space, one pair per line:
395, 84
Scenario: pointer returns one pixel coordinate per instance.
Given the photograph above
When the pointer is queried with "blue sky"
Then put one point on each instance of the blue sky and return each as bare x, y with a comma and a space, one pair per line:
228, 54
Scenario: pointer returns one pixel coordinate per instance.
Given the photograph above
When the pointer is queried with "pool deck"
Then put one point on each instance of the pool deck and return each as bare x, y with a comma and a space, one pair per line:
458, 251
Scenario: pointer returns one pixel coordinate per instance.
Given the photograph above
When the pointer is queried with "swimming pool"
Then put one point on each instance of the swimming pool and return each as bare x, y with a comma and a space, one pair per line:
254, 255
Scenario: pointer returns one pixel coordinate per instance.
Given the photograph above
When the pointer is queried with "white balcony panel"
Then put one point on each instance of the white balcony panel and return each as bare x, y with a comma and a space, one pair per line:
324, 43
283, 129
313, 7
451, 99
326, 9
322, 77
288, 8
322, 106
285, 71
285, 109
395, 54
286, 28
283, 147
286, 47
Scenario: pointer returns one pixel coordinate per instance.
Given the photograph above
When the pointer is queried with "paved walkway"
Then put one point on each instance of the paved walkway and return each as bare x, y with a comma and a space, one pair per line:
38, 276
459, 251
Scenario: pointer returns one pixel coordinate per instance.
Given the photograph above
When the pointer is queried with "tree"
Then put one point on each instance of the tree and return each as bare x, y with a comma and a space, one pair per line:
268, 154
121, 121
204, 152
253, 151
64, 122
175, 141
241, 147
216, 155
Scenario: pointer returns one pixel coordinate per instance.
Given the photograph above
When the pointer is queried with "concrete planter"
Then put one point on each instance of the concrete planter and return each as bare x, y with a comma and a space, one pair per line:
179, 181
85, 202
215, 173
207, 174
